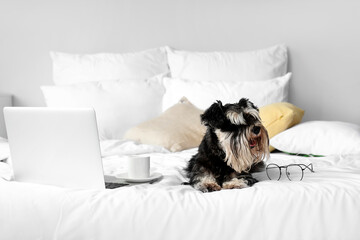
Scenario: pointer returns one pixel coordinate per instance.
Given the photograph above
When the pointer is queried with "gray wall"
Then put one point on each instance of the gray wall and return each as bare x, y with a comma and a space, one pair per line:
323, 38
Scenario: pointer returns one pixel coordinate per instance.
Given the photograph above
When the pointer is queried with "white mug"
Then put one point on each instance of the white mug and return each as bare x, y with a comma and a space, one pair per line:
138, 167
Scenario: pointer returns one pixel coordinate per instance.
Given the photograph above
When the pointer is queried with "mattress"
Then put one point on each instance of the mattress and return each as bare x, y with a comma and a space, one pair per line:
324, 205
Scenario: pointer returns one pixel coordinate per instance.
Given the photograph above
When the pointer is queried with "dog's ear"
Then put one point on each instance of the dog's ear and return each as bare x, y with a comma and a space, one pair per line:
245, 102
214, 116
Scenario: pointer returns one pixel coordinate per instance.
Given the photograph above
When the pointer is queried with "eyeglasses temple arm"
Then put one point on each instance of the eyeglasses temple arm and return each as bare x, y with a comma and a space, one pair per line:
310, 167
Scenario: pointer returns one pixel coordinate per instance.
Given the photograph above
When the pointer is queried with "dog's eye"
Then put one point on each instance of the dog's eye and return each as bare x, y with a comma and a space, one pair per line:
256, 129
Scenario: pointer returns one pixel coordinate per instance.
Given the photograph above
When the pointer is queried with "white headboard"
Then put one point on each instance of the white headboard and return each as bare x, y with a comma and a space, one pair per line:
322, 38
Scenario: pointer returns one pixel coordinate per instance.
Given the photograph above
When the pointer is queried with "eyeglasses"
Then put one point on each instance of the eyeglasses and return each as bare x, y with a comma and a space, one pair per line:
294, 172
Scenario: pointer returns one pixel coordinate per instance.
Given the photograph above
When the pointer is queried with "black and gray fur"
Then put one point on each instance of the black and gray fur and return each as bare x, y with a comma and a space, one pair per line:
235, 142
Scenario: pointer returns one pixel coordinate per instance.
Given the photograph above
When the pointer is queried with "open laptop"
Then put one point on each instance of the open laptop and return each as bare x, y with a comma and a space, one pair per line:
55, 146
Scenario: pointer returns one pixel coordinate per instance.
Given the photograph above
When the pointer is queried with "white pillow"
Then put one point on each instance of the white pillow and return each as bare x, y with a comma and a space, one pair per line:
119, 105
203, 94
320, 138
77, 68
4, 149
230, 66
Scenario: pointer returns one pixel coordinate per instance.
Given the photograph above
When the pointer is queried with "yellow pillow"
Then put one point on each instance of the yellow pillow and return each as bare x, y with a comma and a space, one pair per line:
278, 117
178, 128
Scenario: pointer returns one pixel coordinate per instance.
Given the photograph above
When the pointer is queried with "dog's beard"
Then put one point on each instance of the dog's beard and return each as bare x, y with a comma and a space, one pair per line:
242, 149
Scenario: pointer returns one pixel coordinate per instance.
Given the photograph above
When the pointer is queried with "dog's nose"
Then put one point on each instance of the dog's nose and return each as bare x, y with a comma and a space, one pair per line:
256, 130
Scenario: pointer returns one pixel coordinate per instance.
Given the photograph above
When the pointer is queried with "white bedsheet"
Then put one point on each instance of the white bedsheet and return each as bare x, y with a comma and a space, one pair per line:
325, 205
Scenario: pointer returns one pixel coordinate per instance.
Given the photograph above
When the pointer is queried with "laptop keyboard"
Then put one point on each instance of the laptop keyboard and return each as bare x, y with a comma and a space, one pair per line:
112, 185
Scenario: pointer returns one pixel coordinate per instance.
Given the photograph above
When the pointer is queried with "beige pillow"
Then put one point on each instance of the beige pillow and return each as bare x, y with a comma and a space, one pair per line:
178, 128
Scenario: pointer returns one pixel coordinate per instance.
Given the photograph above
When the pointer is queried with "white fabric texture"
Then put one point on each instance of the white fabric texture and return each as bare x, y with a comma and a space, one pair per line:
119, 104
169, 210
319, 137
75, 68
4, 149
127, 147
228, 66
202, 94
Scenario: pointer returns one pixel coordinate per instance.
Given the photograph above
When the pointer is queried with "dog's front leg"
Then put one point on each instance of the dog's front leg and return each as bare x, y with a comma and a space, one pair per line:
206, 182
248, 178
236, 180
235, 183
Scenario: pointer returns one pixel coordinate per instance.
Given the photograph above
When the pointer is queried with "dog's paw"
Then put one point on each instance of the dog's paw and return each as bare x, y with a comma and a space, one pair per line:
251, 181
236, 183
208, 187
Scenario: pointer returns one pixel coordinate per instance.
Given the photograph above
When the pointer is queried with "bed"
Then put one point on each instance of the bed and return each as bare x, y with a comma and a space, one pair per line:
323, 205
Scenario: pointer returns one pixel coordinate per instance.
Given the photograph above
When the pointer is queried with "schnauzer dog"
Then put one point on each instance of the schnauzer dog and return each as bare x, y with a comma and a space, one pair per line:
235, 143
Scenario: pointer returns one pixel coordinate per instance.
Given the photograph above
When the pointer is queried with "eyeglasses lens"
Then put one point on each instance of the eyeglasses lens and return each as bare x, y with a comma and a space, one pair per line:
294, 172
273, 172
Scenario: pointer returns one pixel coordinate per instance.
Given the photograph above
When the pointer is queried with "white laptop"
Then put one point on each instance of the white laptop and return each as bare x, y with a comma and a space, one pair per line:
55, 146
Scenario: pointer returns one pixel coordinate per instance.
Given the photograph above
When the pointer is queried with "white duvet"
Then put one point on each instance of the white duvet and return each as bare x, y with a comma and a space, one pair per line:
325, 205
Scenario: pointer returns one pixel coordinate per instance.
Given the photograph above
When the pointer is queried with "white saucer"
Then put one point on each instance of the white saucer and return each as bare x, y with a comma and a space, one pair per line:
152, 177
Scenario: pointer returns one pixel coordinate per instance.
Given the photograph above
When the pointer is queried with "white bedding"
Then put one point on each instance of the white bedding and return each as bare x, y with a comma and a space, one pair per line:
325, 205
